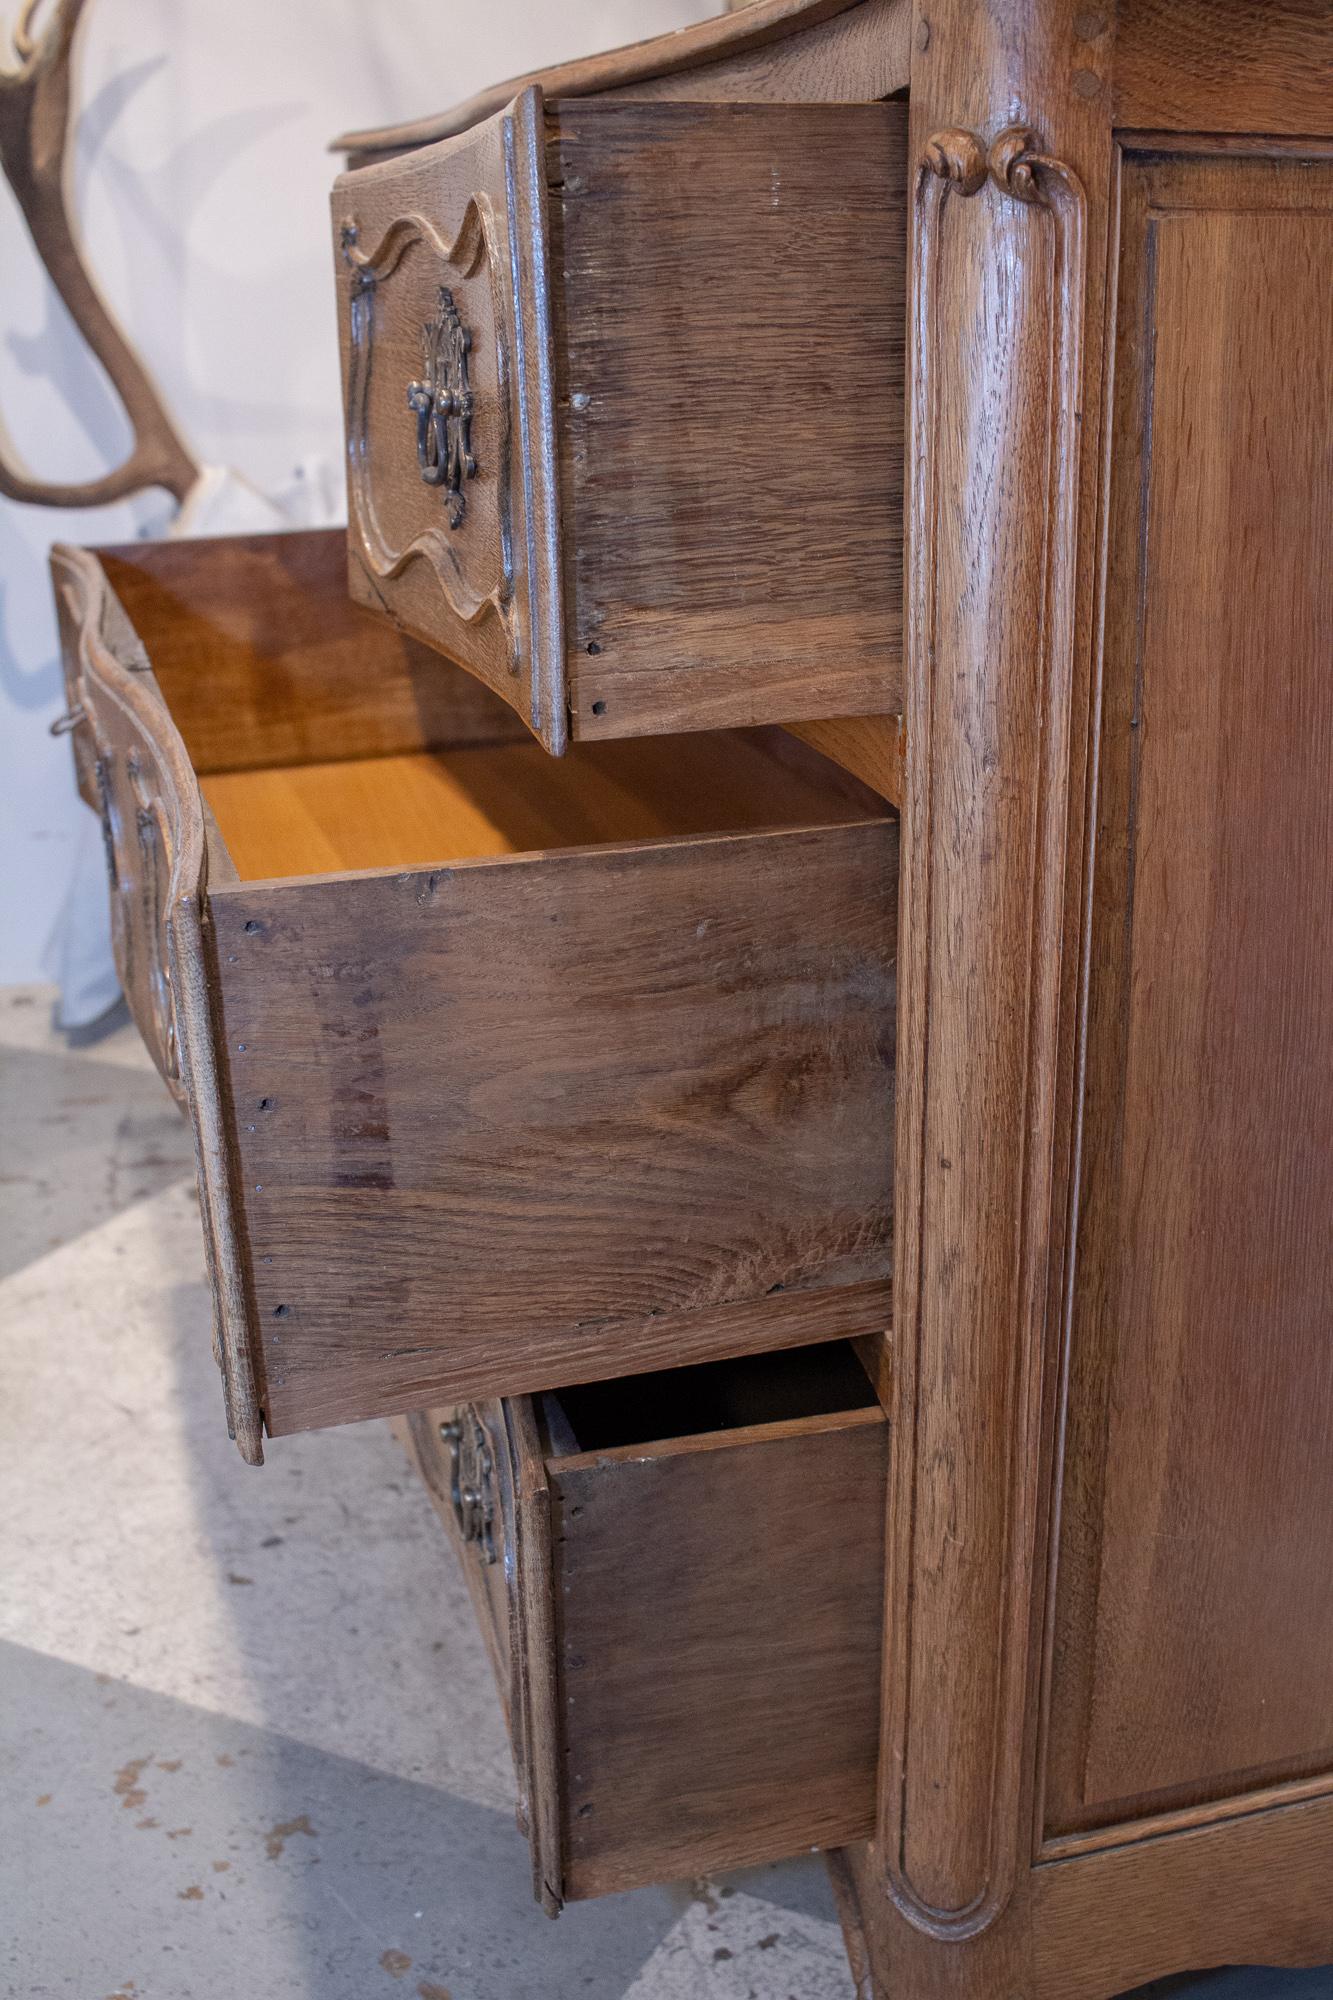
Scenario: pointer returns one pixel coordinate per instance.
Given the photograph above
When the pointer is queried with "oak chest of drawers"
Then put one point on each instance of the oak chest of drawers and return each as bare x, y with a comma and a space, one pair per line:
950, 384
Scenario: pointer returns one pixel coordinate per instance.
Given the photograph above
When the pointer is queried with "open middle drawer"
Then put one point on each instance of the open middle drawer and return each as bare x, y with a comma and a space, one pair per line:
507, 1073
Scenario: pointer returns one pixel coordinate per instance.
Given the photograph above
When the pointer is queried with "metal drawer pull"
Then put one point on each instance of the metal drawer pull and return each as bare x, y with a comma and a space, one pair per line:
471, 1473
443, 406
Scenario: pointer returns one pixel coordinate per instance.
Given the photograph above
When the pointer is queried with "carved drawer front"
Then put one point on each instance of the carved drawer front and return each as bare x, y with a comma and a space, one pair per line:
509, 1072
696, 1578
462, 1456
624, 389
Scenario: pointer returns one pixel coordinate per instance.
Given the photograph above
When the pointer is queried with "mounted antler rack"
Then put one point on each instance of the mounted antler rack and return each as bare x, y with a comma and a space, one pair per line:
34, 153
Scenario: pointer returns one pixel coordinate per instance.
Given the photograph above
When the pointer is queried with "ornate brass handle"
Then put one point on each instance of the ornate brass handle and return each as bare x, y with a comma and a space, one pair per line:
471, 1476
443, 406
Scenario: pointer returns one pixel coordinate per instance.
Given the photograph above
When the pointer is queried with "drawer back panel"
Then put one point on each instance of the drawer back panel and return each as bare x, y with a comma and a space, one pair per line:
264, 660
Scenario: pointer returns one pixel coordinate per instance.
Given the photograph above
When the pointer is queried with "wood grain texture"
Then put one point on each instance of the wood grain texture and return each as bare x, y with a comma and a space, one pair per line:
873, 747
858, 56
720, 552
402, 812
467, 217
423, 1435
153, 829
263, 659
1255, 1892
718, 1636
152, 824
536, 1682
1245, 66
731, 479
1195, 1624
1001, 389
500, 1121
1249, 1892
707, 45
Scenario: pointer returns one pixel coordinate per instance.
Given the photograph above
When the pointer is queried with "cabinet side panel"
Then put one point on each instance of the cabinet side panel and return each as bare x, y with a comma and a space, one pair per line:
1195, 1607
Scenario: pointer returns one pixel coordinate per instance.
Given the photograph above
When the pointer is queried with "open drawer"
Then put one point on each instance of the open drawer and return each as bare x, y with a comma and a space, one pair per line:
624, 406
681, 1581
507, 1073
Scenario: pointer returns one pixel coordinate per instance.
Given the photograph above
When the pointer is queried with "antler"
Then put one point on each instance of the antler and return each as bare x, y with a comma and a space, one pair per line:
34, 141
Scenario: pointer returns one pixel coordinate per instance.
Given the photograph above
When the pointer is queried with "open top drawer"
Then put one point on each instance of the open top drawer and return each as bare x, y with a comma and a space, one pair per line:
624, 406
506, 1073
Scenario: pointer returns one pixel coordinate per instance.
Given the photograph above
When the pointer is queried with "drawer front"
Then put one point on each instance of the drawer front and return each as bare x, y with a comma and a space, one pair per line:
482, 1466
131, 759
701, 1633
668, 495
137, 777
460, 1454
446, 344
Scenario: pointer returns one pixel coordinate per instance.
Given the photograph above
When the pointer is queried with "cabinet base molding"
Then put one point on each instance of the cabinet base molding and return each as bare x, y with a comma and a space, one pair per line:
1257, 1890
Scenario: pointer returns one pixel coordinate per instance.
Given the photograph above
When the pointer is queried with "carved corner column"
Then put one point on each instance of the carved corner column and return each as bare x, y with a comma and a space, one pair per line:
1009, 132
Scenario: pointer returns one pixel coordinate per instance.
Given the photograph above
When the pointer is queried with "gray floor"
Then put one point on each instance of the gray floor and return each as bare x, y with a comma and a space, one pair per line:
250, 1741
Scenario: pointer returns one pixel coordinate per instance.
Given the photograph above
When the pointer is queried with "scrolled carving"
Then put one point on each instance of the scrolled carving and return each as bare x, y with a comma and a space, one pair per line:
1010, 162
1013, 388
443, 404
1013, 162
957, 157
157, 864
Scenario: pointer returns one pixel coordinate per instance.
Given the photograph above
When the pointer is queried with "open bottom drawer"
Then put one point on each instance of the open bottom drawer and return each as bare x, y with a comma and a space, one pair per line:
681, 1581
508, 1073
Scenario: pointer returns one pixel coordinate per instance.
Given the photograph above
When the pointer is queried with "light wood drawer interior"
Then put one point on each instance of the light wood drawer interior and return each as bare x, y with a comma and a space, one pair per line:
521, 1072
696, 1578
666, 491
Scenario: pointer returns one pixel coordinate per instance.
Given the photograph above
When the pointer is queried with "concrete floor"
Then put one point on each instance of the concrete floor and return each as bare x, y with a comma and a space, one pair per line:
250, 1740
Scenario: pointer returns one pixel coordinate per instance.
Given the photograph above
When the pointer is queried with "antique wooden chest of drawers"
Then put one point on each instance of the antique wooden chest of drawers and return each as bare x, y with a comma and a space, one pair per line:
844, 361
507, 1072
1107, 1702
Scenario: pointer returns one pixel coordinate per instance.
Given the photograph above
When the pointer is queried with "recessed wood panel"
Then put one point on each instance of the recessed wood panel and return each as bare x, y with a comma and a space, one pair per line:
1195, 1623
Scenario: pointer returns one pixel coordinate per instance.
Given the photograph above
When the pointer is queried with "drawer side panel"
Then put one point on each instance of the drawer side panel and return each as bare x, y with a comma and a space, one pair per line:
718, 1632
517, 1123
730, 325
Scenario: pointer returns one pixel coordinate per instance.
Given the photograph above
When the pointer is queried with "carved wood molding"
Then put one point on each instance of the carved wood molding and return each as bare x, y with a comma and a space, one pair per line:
158, 862
470, 249
996, 373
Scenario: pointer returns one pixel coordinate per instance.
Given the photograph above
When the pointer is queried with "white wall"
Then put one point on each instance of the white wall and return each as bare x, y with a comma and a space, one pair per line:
202, 181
